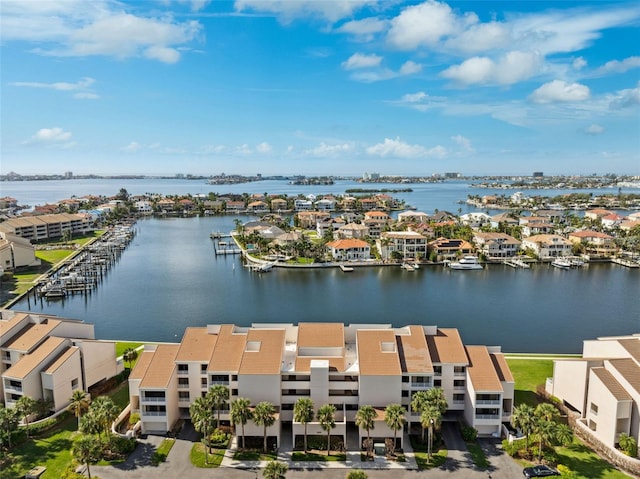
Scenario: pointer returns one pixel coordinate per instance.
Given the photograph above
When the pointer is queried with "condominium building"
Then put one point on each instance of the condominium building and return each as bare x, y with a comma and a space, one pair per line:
48, 357
330, 363
603, 387
45, 227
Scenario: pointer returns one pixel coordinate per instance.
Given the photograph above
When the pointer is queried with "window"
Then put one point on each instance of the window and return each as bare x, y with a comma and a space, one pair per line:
437, 383
437, 370
594, 409
459, 371
183, 369
203, 369
458, 383
405, 379
592, 425
183, 395
405, 394
203, 382
74, 384
183, 382
458, 398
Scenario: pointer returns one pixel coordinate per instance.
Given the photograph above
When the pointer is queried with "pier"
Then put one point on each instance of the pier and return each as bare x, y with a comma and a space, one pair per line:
516, 263
625, 262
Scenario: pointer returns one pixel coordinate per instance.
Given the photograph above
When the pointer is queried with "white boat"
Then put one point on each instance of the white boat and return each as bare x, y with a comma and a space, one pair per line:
408, 267
561, 263
466, 262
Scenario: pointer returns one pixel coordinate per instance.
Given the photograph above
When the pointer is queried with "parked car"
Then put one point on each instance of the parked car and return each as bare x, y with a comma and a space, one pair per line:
539, 471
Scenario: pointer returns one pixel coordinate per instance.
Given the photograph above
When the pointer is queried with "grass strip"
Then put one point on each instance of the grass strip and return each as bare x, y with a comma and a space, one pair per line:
318, 456
160, 454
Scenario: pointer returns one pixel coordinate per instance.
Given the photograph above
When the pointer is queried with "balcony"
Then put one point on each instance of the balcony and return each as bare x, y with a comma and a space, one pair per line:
13, 387
487, 416
421, 385
225, 383
183, 385
488, 402
144, 399
183, 372
154, 413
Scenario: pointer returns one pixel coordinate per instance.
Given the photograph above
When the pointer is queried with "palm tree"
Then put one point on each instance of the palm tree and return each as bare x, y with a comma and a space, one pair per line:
241, 414
78, 404
437, 398
89, 424
564, 434
327, 420
394, 418
303, 413
365, 418
524, 418
202, 419
105, 411
8, 424
275, 470
26, 406
219, 396
429, 417
546, 411
419, 401
86, 450
546, 432
264, 415
130, 355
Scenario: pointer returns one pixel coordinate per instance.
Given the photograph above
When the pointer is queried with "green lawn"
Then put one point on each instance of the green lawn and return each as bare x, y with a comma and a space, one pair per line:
120, 395
587, 464
437, 459
318, 456
122, 346
53, 452
255, 456
160, 454
197, 456
529, 374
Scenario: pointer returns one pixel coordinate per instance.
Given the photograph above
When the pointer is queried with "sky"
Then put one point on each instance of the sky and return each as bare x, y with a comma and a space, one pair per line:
326, 87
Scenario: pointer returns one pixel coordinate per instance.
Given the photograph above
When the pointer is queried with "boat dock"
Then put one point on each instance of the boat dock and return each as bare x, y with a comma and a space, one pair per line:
516, 263
82, 273
625, 262
345, 269
221, 246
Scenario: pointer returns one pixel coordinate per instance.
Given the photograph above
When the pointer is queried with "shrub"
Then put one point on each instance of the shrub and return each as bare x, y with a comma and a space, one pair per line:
469, 434
70, 473
566, 472
219, 439
134, 418
121, 445
511, 448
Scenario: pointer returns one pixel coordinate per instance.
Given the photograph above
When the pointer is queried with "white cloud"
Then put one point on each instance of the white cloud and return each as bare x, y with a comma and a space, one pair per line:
409, 68
289, 10
510, 68
419, 101
399, 149
422, 25
50, 135
264, 148
594, 130
625, 98
363, 30
579, 63
360, 60
100, 27
481, 38
463, 142
615, 66
560, 91
132, 147
86, 96
81, 84
324, 149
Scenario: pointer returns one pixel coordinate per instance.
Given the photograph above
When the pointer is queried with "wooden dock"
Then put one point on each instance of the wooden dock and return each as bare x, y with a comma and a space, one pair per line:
625, 262
516, 263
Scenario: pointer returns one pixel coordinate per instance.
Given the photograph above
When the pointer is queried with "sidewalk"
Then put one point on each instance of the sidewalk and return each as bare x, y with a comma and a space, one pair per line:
353, 461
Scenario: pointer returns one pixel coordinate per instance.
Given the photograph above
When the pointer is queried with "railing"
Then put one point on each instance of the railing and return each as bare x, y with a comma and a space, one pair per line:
226, 383
183, 386
487, 416
494, 402
153, 399
183, 373
459, 373
14, 387
154, 413
421, 385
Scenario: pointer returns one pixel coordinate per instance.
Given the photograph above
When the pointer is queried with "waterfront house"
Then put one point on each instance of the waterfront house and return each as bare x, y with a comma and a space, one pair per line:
143, 207
300, 204
309, 219
235, 206
324, 224
548, 246
475, 220
278, 204
596, 243
352, 230
450, 248
597, 213
330, 363
16, 252
496, 245
503, 218
413, 217
325, 205
409, 245
257, 207
368, 204
602, 387
47, 357
349, 250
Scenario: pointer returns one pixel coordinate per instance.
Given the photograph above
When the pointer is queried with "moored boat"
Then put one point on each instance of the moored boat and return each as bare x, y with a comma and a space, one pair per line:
466, 262
561, 263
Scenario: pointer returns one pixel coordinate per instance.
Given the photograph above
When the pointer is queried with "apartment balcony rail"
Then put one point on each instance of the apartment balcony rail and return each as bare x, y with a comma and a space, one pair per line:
460, 373
153, 399
225, 383
421, 385
493, 402
487, 416
458, 401
183, 386
183, 372
13, 387
154, 413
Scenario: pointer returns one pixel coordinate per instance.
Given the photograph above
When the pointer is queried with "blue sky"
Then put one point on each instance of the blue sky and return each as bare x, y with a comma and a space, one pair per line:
319, 87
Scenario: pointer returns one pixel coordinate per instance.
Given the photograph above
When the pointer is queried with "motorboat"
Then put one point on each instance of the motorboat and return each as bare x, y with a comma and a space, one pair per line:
562, 263
466, 262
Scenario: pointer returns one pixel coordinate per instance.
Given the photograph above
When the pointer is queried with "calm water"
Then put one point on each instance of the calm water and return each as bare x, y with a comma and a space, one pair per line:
169, 279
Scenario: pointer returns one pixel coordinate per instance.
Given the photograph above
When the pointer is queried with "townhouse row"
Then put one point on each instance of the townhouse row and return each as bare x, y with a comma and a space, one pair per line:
330, 363
603, 387
47, 358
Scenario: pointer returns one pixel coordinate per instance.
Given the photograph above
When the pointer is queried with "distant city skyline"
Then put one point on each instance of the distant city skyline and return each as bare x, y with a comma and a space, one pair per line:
319, 87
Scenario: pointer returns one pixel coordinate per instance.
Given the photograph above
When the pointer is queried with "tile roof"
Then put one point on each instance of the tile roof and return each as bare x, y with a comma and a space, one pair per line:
142, 364
32, 335
481, 370
303, 364
632, 345
348, 244
613, 386
63, 358
414, 352
196, 345
320, 335
161, 369
31, 361
629, 370
267, 356
227, 353
372, 359
502, 368
446, 347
